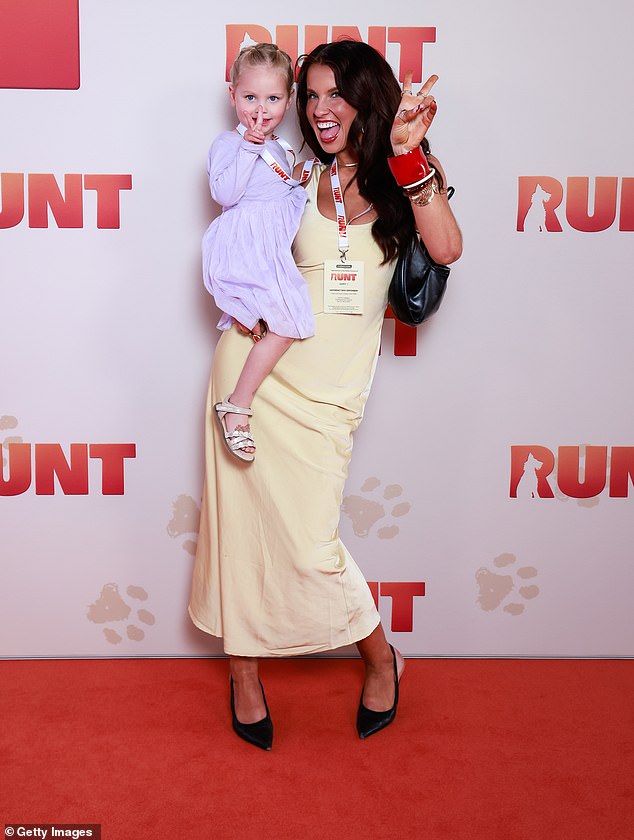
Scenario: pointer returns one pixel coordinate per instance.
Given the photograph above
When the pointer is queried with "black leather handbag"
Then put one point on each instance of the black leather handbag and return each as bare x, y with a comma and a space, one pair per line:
418, 284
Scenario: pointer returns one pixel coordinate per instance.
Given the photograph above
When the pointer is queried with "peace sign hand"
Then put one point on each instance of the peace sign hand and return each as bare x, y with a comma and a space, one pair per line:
415, 115
254, 133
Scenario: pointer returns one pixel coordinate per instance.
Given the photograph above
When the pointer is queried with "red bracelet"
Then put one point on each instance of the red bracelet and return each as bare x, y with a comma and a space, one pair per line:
409, 168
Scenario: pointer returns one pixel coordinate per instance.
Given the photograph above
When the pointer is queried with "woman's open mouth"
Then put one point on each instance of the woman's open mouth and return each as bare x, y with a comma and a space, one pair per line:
328, 131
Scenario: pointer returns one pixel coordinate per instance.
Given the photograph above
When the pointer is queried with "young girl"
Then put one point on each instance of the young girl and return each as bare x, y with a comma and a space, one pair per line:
247, 261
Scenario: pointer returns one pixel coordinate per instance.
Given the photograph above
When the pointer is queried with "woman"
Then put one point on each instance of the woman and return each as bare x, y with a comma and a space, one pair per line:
272, 576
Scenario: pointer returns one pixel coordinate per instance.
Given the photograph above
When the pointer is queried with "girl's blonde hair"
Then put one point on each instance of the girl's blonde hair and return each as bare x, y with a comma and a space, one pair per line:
268, 55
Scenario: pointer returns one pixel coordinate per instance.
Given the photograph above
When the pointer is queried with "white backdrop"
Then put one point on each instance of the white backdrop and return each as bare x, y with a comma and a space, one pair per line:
107, 334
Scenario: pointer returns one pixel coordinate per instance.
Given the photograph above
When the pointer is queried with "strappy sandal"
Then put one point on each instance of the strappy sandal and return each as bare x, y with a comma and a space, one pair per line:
236, 442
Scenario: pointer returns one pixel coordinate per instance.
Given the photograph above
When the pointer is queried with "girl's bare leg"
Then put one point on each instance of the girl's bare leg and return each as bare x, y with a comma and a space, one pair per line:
260, 362
378, 690
249, 702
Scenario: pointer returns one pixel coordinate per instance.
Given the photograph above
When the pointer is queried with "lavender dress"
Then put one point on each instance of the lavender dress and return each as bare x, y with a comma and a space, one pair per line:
247, 261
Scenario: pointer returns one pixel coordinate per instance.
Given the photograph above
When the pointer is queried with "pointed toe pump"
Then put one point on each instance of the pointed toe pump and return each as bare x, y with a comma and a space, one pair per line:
369, 721
260, 733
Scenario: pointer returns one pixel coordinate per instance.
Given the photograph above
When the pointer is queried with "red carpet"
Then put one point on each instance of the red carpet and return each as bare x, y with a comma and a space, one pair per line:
486, 749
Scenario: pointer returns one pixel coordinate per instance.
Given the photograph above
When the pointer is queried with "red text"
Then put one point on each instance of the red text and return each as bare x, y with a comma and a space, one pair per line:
402, 594
47, 462
404, 336
580, 472
67, 207
410, 38
539, 196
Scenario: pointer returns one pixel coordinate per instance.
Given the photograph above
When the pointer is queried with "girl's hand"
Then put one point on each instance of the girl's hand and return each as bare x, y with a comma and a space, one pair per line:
415, 115
241, 328
257, 333
254, 133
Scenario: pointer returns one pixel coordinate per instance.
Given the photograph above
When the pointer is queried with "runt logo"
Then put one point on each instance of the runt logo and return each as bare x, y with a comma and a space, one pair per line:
539, 196
49, 462
410, 38
581, 472
39, 44
278, 169
68, 208
402, 594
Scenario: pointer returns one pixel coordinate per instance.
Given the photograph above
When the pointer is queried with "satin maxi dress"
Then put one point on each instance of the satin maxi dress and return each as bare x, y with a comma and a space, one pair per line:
271, 575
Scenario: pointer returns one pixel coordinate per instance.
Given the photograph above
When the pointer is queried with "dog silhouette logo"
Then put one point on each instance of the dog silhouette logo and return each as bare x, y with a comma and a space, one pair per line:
536, 217
527, 487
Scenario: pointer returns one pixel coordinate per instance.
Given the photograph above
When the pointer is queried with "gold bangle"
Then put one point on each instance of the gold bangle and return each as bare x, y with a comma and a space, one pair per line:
424, 195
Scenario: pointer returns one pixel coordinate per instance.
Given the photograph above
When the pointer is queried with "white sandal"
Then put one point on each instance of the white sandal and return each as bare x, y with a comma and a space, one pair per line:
236, 442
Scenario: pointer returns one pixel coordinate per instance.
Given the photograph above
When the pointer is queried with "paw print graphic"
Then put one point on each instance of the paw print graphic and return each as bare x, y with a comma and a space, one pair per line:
496, 589
110, 608
369, 509
8, 422
185, 520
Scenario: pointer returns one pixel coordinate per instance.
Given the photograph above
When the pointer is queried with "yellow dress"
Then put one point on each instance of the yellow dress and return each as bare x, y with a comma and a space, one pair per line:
271, 576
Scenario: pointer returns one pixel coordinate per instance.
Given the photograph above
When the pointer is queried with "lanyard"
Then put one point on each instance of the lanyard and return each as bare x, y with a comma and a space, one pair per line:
268, 158
335, 185
340, 210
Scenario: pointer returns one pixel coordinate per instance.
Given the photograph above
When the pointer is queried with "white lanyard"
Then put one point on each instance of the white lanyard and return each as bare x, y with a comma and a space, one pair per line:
340, 210
268, 158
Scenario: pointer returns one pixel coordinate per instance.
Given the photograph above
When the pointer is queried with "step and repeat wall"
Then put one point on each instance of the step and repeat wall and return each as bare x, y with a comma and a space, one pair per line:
489, 500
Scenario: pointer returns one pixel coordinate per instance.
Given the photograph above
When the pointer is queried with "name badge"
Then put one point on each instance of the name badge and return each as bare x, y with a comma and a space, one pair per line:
343, 287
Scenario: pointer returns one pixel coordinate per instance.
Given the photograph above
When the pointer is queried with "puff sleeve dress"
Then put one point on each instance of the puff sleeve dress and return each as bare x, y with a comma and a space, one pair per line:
247, 262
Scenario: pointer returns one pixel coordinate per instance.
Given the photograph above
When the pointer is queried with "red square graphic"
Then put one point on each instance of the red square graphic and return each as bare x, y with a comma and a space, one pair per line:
39, 44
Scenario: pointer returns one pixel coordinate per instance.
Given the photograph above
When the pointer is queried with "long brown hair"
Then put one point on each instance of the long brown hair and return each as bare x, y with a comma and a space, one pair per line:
366, 81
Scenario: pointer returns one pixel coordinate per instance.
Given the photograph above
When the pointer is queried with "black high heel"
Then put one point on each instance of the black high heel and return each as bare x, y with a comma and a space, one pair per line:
369, 721
260, 733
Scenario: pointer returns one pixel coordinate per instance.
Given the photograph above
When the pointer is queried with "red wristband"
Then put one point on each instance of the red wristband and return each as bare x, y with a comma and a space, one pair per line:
409, 168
